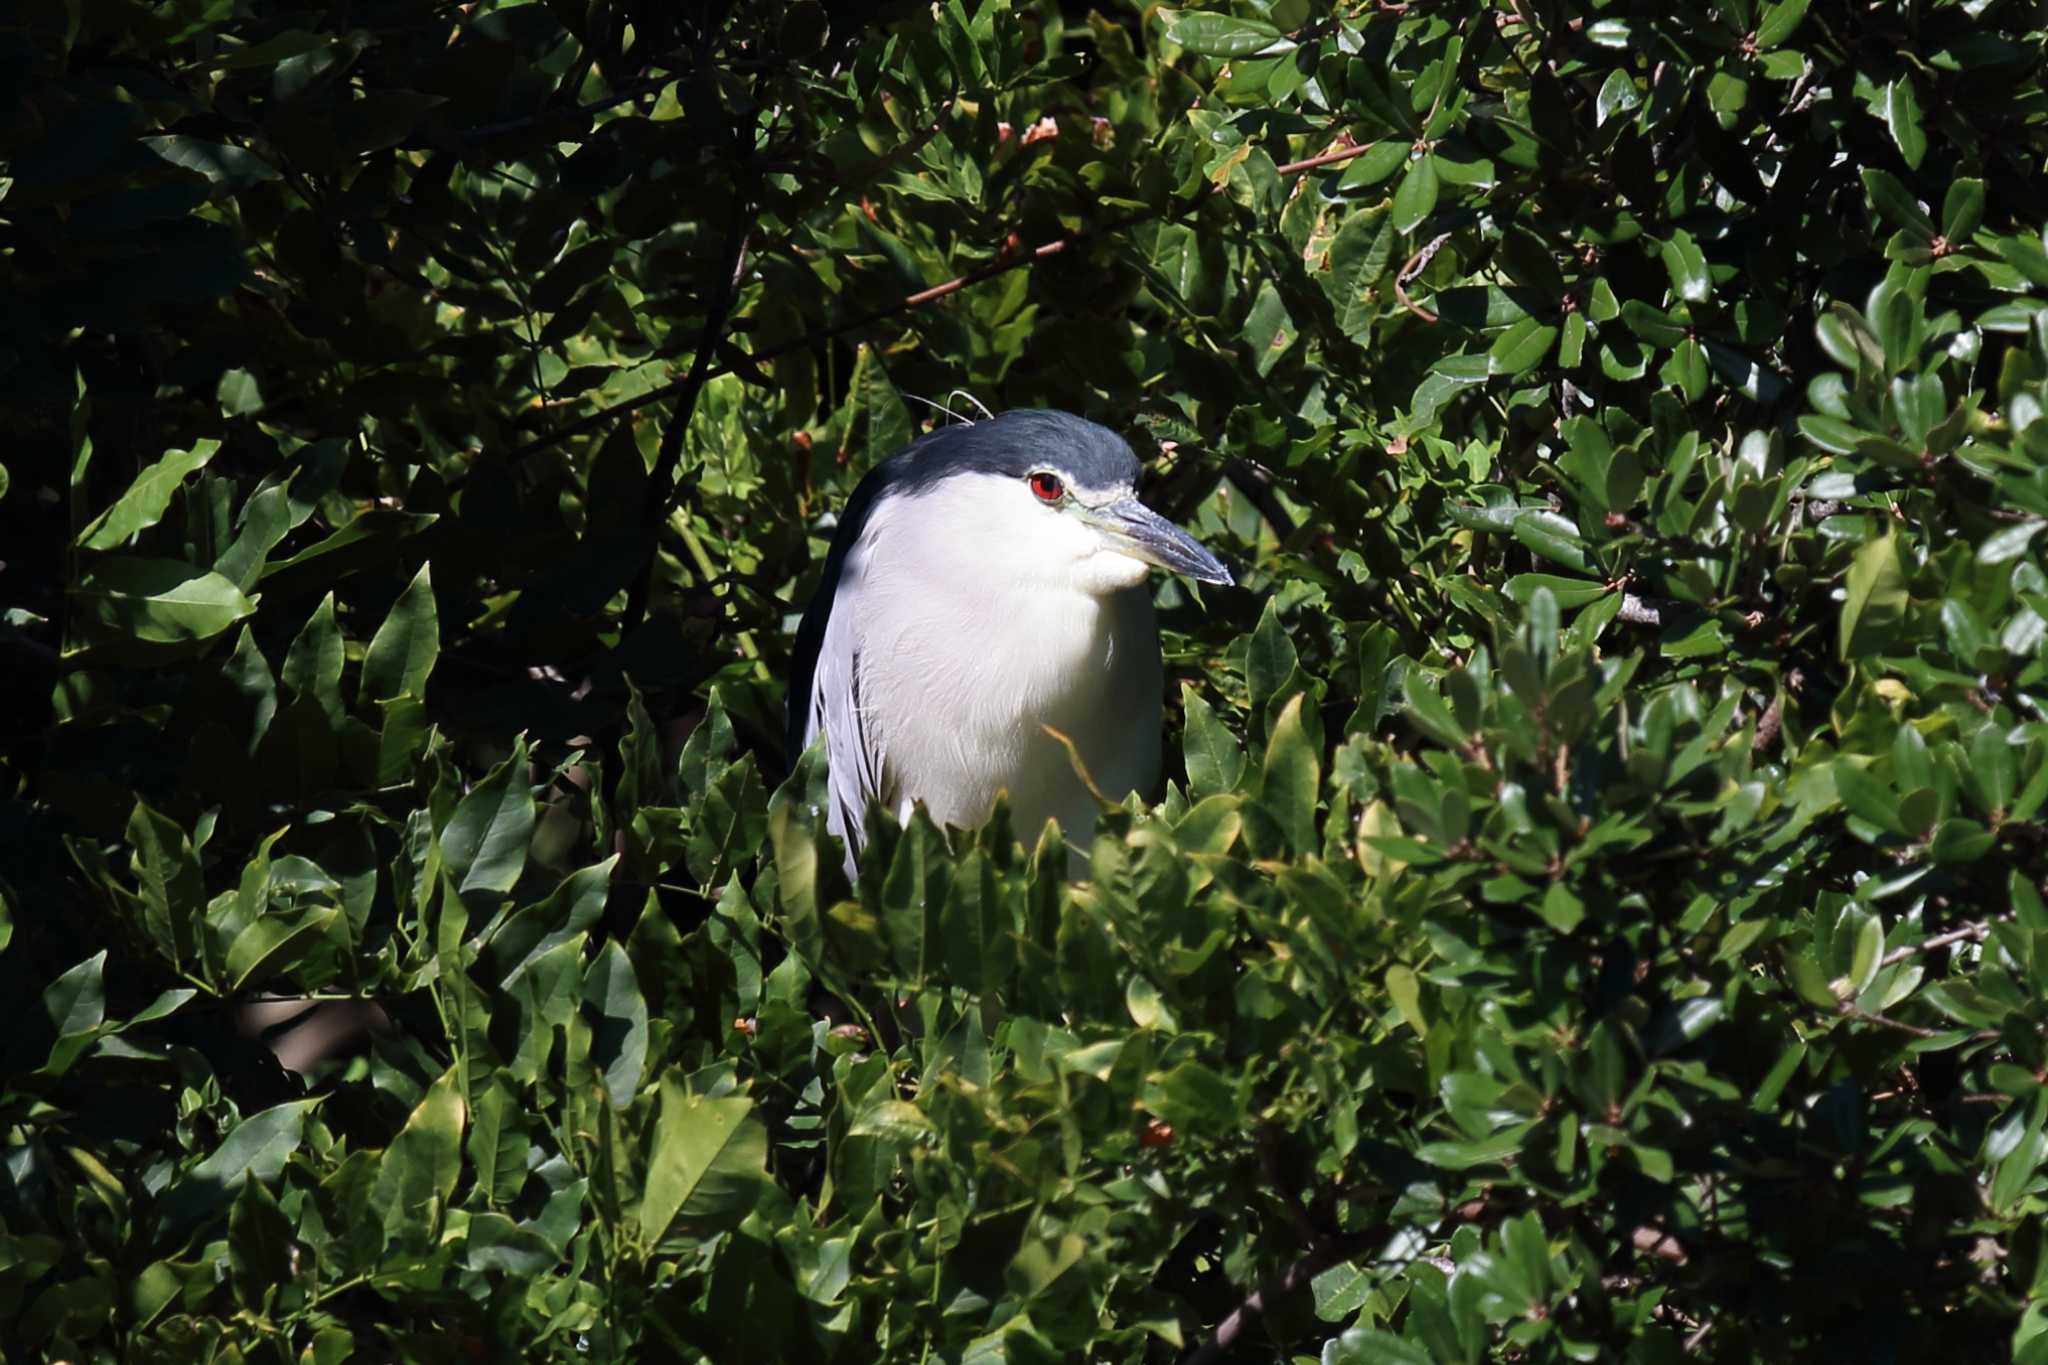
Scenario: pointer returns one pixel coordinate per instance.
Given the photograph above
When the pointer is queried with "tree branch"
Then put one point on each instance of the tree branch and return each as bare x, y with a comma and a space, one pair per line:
1326, 159
1415, 266
1319, 1258
827, 333
1975, 932
1256, 483
908, 303
661, 483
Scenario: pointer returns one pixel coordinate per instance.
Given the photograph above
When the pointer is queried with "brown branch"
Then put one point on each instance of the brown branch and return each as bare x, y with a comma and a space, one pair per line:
1317, 1259
827, 333
1415, 266
1256, 483
1326, 159
1976, 932
909, 303
1871, 1017
1657, 1242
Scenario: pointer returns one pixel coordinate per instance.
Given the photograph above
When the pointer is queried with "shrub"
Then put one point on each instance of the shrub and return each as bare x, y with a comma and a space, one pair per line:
1596, 911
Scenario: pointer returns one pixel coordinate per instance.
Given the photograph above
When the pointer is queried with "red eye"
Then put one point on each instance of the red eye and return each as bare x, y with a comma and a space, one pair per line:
1047, 487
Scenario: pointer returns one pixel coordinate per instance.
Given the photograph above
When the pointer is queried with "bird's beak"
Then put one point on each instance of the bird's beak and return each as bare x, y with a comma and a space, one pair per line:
1138, 531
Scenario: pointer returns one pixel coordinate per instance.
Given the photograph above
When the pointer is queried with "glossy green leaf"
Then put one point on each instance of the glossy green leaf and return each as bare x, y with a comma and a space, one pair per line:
147, 499
1875, 598
1221, 35
160, 601
1415, 198
705, 1165
402, 652
418, 1171
484, 843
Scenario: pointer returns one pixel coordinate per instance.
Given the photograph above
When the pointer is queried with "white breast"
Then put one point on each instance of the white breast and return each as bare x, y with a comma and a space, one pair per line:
975, 630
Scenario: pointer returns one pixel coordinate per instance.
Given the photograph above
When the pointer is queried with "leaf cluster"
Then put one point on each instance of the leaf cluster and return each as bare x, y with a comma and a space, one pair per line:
1596, 907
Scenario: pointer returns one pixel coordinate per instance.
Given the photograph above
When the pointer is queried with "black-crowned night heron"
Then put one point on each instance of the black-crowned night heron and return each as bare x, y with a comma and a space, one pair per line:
985, 584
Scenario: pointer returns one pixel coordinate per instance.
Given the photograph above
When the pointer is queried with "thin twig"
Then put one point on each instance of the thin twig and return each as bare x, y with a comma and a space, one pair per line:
1415, 266
1326, 159
661, 483
1255, 481
827, 333
1976, 932
907, 304
1872, 1017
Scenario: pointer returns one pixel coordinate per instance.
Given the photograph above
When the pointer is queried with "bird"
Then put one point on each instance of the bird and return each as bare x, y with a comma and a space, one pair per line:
986, 585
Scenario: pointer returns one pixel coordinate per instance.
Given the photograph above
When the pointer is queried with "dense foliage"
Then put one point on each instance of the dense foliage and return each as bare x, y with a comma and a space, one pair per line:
1597, 909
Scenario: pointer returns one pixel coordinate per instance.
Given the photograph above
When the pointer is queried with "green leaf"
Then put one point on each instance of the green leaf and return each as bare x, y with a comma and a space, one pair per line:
2004, 546
618, 1042
1193, 1096
485, 841
1214, 757
1359, 256
1415, 199
75, 1003
1427, 710
360, 542
497, 1144
1270, 661
1292, 777
274, 944
1222, 35
1554, 537
1269, 330
1962, 211
1895, 201
1780, 18
1653, 326
1405, 991
161, 601
1687, 266
1832, 434
417, 1175
706, 1166
896, 1121
1875, 600
229, 166
1618, 95
1341, 1291
146, 500
1520, 347
1901, 106
1368, 1346
1569, 592
1375, 164
261, 1254
169, 881
255, 1149
496, 1243
1868, 798
312, 667
238, 394
402, 653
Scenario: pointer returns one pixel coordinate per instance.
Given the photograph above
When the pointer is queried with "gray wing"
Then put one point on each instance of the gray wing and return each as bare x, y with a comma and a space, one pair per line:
853, 752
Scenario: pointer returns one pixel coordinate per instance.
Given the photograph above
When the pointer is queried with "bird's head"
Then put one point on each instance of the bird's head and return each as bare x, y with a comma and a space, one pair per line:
1053, 498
